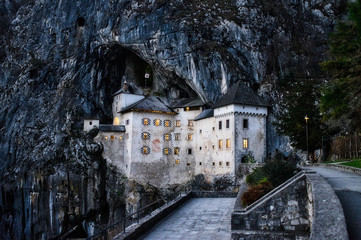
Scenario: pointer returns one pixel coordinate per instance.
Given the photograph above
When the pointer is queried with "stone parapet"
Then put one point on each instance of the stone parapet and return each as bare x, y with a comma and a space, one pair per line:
303, 207
213, 194
281, 214
328, 220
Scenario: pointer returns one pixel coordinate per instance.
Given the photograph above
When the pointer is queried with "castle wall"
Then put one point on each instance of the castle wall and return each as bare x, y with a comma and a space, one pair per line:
197, 142
114, 144
211, 159
255, 134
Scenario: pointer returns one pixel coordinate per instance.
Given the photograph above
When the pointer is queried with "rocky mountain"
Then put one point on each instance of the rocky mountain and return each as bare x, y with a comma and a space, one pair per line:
61, 61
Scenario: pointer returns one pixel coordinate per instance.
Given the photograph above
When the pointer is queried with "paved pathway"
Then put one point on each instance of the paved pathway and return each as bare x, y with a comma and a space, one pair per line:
198, 218
348, 189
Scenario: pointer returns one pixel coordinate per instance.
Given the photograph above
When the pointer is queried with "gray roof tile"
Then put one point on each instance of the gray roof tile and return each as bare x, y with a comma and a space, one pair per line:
240, 93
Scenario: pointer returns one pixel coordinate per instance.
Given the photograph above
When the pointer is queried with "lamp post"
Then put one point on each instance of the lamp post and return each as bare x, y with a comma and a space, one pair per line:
306, 118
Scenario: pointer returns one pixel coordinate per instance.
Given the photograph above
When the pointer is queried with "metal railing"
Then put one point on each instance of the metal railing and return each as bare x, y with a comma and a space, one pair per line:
121, 225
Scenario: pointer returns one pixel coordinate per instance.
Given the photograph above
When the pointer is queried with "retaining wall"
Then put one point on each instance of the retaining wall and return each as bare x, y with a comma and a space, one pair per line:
304, 207
281, 214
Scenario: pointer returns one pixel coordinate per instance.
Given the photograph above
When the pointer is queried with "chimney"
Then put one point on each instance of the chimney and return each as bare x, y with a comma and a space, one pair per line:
125, 86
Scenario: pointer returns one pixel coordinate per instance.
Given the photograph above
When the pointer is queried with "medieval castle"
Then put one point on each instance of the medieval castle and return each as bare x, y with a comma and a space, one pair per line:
155, 143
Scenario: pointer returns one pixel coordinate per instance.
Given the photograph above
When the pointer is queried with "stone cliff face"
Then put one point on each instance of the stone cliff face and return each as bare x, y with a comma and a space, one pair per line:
61, 61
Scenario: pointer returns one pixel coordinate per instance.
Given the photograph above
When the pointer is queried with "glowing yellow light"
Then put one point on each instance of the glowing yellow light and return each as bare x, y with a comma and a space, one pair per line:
120, 138
245, 143
306, 118
106, 137
116, 121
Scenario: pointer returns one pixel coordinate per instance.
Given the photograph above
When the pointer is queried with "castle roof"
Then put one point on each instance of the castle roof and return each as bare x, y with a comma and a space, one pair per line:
149, 104
188, 102
240, 93
207, 113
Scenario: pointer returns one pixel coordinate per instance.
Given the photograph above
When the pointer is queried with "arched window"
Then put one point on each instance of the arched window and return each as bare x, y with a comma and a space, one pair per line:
145, 150
116, 121
146, 121
166, 151
157, 122
145, 135
167, 123
167, 137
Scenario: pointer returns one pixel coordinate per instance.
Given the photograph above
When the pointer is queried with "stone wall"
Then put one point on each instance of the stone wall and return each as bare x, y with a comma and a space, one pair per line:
303, 207
282, 214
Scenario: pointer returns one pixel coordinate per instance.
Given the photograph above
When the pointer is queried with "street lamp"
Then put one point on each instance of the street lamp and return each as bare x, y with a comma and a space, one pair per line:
306, 118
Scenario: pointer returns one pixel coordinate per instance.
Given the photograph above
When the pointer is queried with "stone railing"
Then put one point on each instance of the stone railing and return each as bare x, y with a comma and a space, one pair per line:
293, 210
328, 220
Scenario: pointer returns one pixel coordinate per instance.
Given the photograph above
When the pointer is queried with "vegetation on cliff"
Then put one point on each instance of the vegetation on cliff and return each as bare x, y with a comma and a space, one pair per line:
341, 96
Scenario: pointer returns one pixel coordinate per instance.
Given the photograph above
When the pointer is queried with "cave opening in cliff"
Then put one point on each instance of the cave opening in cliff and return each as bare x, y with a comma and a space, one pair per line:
118, 64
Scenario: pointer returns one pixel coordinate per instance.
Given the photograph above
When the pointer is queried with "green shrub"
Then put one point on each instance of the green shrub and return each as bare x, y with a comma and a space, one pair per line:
256, 192
256, 176
264, 179
277, 172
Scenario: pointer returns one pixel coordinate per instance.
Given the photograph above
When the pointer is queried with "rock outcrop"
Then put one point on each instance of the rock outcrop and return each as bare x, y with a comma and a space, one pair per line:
61, 61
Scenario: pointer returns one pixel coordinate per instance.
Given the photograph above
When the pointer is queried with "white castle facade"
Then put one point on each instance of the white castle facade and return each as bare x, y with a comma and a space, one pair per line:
154, 143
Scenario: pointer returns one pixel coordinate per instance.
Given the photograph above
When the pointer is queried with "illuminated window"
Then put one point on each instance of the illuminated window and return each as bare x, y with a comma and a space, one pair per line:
220, 125
167, 137
245, 143
227, 164
227, 123
116, 121
112, 137
106, 138
186, 109
157, 122
120, 138
228, 143
145, 121
189, 137
145, 135
176, 151
220, 143
189, 151
166, 151
220, 163
145, 150
177, 123
245, 123
167, 123
176, 136
177, 161
190, 123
